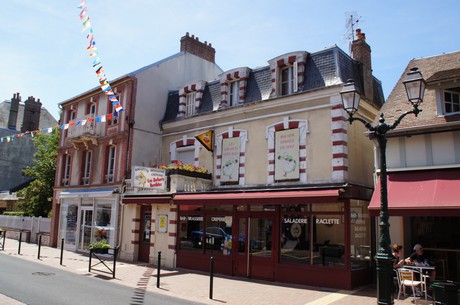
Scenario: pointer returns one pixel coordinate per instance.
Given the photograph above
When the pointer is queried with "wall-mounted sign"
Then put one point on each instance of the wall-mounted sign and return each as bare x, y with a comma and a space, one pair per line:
287, 154
230, 169
162, 223
147, 177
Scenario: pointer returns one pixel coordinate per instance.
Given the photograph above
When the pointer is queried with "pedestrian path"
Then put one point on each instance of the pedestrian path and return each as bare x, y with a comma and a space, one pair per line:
195, 286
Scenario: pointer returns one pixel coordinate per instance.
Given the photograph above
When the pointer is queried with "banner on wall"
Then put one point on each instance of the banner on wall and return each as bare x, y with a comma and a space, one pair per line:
287, 154
147, 177
230, 169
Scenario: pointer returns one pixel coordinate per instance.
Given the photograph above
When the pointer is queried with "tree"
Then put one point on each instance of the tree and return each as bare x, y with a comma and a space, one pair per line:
38, 196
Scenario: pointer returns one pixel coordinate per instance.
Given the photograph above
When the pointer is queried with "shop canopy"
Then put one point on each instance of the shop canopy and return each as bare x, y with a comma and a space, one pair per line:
273, 197
161, 199
420, 193
88, 193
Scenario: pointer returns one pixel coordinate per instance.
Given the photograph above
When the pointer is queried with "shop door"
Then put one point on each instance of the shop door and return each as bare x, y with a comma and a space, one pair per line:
144, 233
86, 220
256, 254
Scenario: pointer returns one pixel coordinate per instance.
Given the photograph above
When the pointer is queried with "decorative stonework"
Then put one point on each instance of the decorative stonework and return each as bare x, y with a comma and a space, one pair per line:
185, 141
298, 60
339, 140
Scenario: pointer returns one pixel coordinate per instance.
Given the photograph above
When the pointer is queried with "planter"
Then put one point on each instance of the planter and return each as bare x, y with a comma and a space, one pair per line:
189, 174
100, 250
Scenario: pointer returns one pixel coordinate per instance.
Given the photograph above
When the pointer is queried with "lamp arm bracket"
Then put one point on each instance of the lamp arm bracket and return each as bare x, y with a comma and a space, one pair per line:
415, 111
369, 127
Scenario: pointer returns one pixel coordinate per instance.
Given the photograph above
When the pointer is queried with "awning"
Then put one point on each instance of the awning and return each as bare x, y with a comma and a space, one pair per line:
147, 200
273, 197
420, 193
87, 193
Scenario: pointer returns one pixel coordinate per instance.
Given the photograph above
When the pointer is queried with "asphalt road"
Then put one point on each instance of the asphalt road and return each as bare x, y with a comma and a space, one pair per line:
35, 284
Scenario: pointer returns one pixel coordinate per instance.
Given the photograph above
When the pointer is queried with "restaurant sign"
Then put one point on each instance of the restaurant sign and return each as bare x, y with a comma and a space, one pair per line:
287, 154
147, 177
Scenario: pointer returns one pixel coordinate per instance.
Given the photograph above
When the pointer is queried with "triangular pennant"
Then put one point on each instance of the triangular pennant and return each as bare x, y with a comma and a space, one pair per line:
206, 139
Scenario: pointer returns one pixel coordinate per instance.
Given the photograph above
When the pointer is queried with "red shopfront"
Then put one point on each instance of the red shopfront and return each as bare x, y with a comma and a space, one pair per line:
305, 237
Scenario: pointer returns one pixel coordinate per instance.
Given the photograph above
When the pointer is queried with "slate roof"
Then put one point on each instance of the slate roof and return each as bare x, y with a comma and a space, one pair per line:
325, 68
46, 119
434, 69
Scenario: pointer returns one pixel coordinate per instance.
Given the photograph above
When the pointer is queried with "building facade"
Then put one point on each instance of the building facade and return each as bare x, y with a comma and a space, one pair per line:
423, 164
291, 180
98, 146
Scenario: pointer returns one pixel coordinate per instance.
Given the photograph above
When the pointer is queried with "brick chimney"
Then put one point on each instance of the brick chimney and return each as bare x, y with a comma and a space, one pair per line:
361, 52
31, 119
192, 44
14, 108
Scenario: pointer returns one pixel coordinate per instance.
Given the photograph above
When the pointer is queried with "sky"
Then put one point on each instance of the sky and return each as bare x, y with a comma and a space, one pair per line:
43, 49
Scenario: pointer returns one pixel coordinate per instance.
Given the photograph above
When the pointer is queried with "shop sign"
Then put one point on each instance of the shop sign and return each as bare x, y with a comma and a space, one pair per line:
328, 221
230, 160
287, 154
295, 220
192, 218
147, 177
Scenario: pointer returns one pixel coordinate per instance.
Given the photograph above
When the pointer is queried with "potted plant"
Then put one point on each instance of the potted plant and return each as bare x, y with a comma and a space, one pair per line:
100, 246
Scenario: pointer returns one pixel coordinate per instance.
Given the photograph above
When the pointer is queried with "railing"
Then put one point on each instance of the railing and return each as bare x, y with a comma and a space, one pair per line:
20, 223
89, 128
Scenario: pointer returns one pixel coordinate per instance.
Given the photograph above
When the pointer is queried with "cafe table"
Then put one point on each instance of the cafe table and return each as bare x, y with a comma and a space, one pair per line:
420, 268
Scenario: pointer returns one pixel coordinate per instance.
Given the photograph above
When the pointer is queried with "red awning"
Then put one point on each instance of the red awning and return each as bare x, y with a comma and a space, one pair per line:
281, 197
420, 193
146, 200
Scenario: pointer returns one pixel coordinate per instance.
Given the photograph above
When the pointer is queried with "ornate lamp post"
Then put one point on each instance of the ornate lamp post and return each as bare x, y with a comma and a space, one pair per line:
415, 89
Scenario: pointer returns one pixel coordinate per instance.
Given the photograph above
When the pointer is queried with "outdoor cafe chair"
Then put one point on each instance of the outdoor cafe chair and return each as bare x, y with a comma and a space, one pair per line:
406, 278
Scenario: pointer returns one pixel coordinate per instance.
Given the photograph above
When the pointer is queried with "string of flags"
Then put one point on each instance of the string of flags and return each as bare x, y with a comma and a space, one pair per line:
103, 81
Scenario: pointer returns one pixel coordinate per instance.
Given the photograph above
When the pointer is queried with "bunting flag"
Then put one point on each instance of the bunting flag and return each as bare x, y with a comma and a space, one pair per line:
206, 139
97, 62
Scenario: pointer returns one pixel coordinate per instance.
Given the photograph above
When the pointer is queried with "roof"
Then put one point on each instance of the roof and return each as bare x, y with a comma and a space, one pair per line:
329, 67
434, 69
46, 119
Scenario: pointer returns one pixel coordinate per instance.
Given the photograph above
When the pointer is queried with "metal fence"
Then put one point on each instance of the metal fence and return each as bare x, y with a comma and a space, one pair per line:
33, 225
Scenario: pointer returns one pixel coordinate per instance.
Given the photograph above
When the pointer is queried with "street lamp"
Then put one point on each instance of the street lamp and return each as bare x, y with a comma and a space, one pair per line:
415, 89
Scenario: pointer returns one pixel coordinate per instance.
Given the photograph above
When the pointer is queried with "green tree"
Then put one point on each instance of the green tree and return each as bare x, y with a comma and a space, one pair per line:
38, 196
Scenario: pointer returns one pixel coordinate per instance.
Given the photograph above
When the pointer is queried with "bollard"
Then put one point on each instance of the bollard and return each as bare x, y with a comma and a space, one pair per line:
62, 250
39, 245
20, 240
211, 275
115, 252
158, 269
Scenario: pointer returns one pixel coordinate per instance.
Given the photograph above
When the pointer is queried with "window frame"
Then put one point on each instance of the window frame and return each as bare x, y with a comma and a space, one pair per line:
233, 93
66, 170
190, 99
87, 159
291, 80
111, 161
452, 103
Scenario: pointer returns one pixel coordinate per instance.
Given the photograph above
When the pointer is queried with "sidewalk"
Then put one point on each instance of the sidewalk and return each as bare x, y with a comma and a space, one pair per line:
194, 286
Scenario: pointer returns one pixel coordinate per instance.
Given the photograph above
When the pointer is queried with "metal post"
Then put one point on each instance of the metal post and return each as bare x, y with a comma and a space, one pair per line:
39, 245
158, 269
211, 276
90, 255
114, 261
20, 240
62, 251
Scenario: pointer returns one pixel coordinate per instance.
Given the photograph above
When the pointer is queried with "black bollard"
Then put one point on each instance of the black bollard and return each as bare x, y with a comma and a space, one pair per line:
158, 269
115, 252
62, 251
39, 245
211, 275
20, 240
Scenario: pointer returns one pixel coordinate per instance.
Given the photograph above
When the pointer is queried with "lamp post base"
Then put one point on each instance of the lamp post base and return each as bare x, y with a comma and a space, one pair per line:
385, 287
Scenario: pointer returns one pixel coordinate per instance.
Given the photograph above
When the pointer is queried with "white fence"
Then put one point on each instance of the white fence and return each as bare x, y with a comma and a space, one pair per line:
33, 225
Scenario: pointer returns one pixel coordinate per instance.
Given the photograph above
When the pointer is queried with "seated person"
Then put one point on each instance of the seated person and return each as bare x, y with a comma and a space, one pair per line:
397, 254
420, 258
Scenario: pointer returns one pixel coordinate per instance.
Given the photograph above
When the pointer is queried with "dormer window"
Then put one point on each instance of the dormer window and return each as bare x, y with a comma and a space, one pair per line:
233, 85
451, 100
190, 97
287, 73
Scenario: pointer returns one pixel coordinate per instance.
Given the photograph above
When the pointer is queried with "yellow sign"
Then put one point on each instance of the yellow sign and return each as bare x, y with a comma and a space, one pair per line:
162, 223
206, 139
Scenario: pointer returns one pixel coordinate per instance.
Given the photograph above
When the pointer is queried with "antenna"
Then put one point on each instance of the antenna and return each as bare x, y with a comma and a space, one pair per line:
351, 21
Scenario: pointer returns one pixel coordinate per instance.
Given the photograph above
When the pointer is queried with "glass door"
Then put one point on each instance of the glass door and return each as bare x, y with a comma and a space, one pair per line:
256, 255
86, 220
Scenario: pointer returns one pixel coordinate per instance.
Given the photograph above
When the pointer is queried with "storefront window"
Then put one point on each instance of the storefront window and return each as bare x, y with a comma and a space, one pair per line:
329, 240
295, 239
218, 236
68, 225
104, 226
360, 249
191, 232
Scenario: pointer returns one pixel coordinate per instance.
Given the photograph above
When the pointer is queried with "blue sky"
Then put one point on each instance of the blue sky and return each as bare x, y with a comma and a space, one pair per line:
43, 50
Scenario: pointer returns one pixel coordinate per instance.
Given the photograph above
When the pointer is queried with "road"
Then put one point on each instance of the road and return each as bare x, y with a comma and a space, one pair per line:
36, 284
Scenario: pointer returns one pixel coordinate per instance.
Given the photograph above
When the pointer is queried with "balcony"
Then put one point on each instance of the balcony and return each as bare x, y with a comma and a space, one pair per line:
82, 133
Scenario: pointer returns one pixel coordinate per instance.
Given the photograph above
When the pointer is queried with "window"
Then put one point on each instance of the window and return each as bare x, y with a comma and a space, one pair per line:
452, 100
114, 119
86, 167
190, 104
110, 164
234, 93
288, 81
186, 154
65, 179
92, 108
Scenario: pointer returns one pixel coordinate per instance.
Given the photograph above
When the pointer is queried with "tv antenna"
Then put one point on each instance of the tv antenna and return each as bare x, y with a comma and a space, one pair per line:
351, 22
